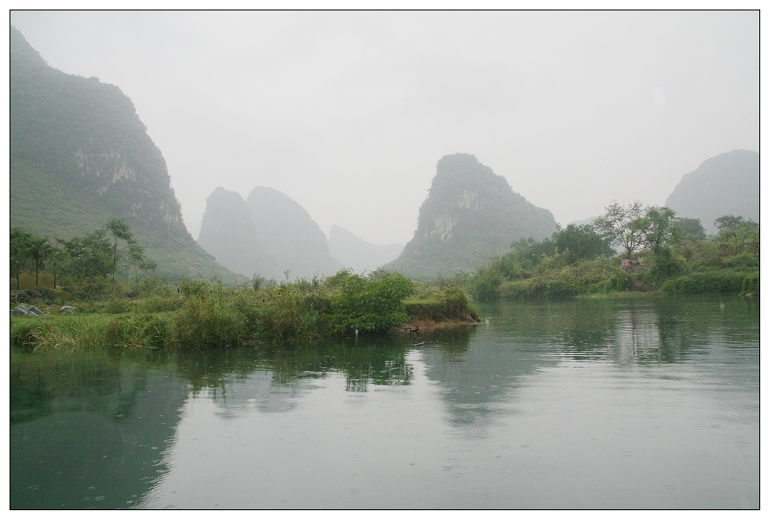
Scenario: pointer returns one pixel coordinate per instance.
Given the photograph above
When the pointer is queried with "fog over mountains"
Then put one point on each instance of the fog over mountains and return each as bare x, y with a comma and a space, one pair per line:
470, 215
79, 155
727, 184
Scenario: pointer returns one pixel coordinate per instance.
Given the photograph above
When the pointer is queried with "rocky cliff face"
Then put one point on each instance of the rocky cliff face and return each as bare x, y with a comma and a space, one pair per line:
80, 155
727, 184
470, 215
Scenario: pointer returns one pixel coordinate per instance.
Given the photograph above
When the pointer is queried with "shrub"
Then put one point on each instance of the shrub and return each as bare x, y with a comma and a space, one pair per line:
619, 281
485, 284
750, 285
373, 305
707, 282
665, 264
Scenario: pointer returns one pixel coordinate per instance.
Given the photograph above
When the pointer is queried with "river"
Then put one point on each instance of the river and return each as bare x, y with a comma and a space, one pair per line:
606, 403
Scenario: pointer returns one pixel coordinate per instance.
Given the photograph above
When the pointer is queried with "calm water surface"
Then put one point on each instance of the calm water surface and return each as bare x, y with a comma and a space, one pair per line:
648, 403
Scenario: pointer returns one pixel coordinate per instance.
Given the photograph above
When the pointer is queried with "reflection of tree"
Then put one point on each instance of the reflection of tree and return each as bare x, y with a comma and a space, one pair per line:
90, 430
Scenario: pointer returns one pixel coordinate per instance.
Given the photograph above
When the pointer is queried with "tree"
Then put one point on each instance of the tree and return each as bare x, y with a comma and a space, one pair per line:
658, 227
729, 222
737, 235
622, 226
139, 262
582, 242
19, 252
89, 256
120, 231
691, 228
38, 249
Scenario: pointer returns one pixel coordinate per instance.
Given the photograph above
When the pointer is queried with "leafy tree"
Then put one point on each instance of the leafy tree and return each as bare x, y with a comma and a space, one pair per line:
119, 231
582, 242
622, 226
729, 222
19, 252
528, 253
691, 228
140, 262
737, 235
89, 256
658, 227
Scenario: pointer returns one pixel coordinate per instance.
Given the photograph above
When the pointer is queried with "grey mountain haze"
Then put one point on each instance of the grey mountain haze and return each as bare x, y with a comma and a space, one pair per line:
358, 254
727, 184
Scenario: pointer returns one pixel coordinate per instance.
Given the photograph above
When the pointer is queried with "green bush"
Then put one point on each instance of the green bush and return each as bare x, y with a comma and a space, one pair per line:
707, 282
537, 289
750, 285
485, 284
667, 264
619, 281
372, 306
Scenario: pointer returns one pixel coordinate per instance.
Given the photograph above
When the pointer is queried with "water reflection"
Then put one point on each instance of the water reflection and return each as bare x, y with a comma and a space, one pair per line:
87, 432
136, 429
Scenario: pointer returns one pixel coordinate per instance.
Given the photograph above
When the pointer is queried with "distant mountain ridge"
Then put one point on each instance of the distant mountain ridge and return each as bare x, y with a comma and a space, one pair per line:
470, 215
727, 184
358, 254
268, 234
80, 155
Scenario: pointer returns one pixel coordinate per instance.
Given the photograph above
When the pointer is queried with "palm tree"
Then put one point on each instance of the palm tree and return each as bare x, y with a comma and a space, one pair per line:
19, 252
39, 249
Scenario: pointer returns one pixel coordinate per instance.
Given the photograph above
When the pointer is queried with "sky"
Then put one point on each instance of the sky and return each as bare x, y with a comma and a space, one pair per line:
348, 112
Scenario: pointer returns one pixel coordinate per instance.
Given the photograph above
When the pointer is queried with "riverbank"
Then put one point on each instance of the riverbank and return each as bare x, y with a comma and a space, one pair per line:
203, 315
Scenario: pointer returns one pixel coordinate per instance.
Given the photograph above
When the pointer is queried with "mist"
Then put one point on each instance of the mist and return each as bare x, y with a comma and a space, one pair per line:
348, 113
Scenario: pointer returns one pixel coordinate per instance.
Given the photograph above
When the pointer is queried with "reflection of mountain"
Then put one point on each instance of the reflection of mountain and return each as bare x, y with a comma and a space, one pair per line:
485, 374
524, 338
88, 433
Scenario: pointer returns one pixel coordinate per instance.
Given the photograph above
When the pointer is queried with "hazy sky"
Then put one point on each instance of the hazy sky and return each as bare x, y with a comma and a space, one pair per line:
348, 112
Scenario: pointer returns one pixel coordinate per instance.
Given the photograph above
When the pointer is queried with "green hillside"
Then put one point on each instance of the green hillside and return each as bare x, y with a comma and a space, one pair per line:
80, 155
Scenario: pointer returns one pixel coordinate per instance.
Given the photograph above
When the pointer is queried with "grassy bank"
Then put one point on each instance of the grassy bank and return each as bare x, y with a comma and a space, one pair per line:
196, 314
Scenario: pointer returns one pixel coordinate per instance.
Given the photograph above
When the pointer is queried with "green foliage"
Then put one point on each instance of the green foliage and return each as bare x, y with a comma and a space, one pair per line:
619, 281
667, 264
622, 226
79, 156
485, 284
209, 318
578, 243
287, 313
708, 282
372, 306
448, 304
750, 286
690, 228
659, 228
19, 254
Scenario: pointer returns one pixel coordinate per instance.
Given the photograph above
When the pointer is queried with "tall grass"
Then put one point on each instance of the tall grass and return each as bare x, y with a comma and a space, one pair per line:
204, 315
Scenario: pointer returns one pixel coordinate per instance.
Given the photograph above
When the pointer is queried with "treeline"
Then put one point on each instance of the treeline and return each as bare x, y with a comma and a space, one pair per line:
84, 262
629, 248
